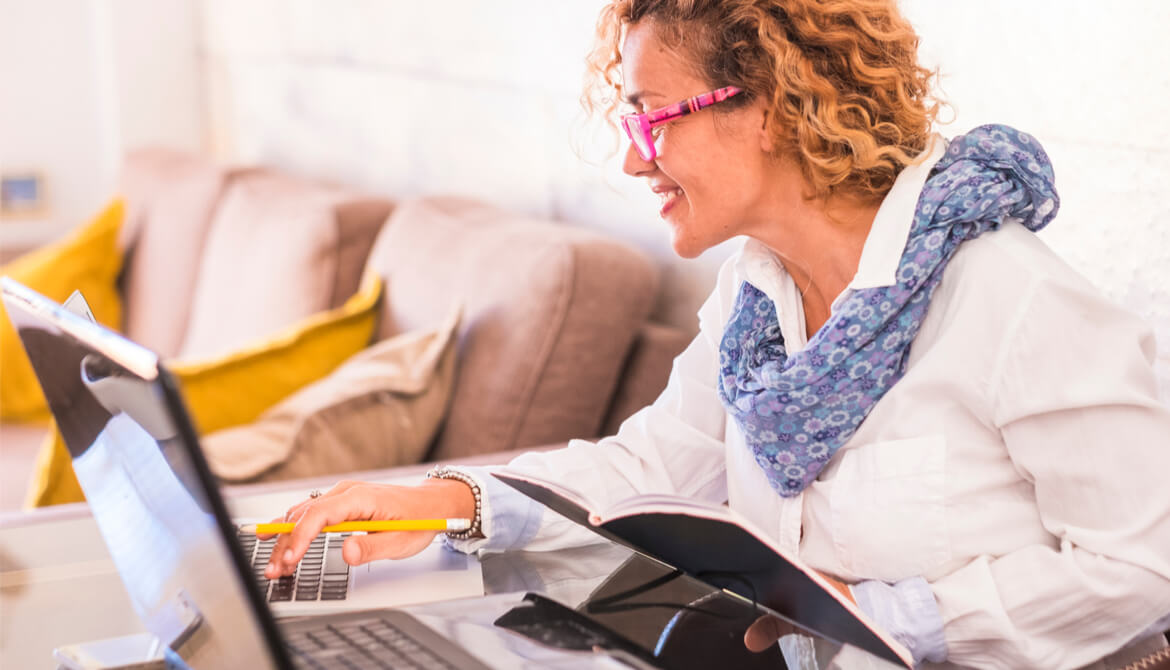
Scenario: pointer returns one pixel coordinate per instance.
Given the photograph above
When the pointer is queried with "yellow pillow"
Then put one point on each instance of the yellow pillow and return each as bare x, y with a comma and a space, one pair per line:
89, 260
238, 388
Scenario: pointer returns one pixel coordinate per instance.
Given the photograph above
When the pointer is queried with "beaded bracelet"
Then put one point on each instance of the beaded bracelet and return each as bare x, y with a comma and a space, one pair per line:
474, 530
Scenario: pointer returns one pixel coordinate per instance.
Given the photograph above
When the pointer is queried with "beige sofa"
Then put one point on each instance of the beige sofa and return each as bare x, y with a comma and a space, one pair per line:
554, 341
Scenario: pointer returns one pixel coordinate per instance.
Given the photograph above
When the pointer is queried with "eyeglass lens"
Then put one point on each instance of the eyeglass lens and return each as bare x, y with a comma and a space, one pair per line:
642, 142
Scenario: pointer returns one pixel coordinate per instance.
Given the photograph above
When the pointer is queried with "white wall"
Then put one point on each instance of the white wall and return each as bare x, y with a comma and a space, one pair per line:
85, 80
156, 73
53, 106
408, 98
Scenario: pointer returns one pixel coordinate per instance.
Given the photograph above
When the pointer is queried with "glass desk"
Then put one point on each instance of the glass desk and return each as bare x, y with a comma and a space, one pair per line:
58, 586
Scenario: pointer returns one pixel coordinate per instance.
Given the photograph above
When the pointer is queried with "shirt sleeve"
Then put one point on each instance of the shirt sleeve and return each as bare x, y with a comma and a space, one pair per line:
1076, 403
675, 446
908, 612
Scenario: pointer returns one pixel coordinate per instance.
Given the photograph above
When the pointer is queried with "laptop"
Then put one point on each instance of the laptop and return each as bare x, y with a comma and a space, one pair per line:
166, 526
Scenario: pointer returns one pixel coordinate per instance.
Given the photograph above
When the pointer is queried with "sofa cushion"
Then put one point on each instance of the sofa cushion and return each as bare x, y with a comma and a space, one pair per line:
170, 199
239, 387
380, 409
279, 249
89, 260
550, 312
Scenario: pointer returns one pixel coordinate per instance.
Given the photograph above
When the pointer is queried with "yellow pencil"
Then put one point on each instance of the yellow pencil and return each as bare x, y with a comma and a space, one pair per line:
366, 526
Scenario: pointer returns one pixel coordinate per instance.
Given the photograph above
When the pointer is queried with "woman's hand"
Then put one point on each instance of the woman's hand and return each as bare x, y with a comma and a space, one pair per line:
766, 630
363, 501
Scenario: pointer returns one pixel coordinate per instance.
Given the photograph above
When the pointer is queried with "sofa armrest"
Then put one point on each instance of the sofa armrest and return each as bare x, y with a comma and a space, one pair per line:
646, 371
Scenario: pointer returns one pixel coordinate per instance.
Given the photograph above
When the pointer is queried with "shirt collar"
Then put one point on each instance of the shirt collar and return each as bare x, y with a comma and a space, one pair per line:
891, 227
762, 269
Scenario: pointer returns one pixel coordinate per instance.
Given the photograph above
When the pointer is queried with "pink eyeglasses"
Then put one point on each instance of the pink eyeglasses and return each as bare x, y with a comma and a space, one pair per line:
639, 127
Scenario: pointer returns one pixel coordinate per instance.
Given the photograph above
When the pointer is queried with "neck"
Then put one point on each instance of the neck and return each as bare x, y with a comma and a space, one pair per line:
819, 243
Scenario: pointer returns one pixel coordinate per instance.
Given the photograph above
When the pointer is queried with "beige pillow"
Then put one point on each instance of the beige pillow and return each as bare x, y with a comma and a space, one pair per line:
381, 408
171, 198
294, 246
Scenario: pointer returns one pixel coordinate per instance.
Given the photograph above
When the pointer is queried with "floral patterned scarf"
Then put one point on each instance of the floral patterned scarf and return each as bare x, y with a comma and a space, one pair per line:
796, 411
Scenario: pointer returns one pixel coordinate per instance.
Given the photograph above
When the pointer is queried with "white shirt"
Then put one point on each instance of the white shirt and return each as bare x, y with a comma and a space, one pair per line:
1021, 466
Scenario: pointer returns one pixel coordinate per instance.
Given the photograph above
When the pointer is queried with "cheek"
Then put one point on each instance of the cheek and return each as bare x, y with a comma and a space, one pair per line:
713, 170
709, 190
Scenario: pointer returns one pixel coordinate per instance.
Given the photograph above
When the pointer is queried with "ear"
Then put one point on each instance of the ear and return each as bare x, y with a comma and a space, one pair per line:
766, 143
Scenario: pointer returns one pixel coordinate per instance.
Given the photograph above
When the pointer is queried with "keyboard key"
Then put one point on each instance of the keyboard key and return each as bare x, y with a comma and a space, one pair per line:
334, 563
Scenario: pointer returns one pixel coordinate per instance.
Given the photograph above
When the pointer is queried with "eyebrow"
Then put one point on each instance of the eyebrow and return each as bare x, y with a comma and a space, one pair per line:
636, 97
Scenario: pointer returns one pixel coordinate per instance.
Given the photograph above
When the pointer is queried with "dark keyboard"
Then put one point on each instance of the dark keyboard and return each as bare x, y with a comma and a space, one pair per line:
372, 641
321, 575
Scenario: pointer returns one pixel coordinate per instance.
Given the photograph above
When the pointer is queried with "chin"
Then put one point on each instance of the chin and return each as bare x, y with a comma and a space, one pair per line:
687, 248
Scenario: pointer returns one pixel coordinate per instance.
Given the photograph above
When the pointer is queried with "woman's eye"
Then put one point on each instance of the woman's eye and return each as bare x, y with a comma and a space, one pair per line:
628, 108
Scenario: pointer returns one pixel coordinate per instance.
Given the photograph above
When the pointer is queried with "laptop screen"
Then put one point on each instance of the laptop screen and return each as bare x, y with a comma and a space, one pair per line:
153, 497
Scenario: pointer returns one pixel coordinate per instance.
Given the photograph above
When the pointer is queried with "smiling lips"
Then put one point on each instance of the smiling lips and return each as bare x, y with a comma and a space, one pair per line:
669, 194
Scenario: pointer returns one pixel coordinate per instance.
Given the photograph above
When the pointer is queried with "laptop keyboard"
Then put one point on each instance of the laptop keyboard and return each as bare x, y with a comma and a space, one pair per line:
321, 575
367, 642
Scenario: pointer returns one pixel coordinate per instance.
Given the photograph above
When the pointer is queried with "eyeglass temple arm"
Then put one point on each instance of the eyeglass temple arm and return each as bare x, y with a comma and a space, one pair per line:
680, 109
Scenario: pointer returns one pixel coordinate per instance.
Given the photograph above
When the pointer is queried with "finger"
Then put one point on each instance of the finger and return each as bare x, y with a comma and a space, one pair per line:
298, 510
312, 521
277, 566
290, 548
360, 549
765, 631
284, 557
278, 563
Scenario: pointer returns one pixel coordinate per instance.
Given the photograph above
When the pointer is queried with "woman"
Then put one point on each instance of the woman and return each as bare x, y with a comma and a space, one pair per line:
988, 475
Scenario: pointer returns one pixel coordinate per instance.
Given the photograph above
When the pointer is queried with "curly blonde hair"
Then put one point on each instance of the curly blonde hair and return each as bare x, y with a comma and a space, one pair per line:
848, 98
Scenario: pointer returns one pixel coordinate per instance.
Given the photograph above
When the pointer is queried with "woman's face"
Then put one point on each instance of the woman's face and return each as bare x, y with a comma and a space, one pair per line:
712, 170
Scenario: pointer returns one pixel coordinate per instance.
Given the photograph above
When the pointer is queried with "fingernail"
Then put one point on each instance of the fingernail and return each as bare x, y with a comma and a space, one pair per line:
288, 556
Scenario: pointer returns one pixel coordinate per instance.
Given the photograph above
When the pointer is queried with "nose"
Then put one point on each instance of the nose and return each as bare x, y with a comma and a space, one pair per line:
634, 165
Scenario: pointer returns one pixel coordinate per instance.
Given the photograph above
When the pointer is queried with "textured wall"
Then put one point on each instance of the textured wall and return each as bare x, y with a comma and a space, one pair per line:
1089, 79
408, 98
